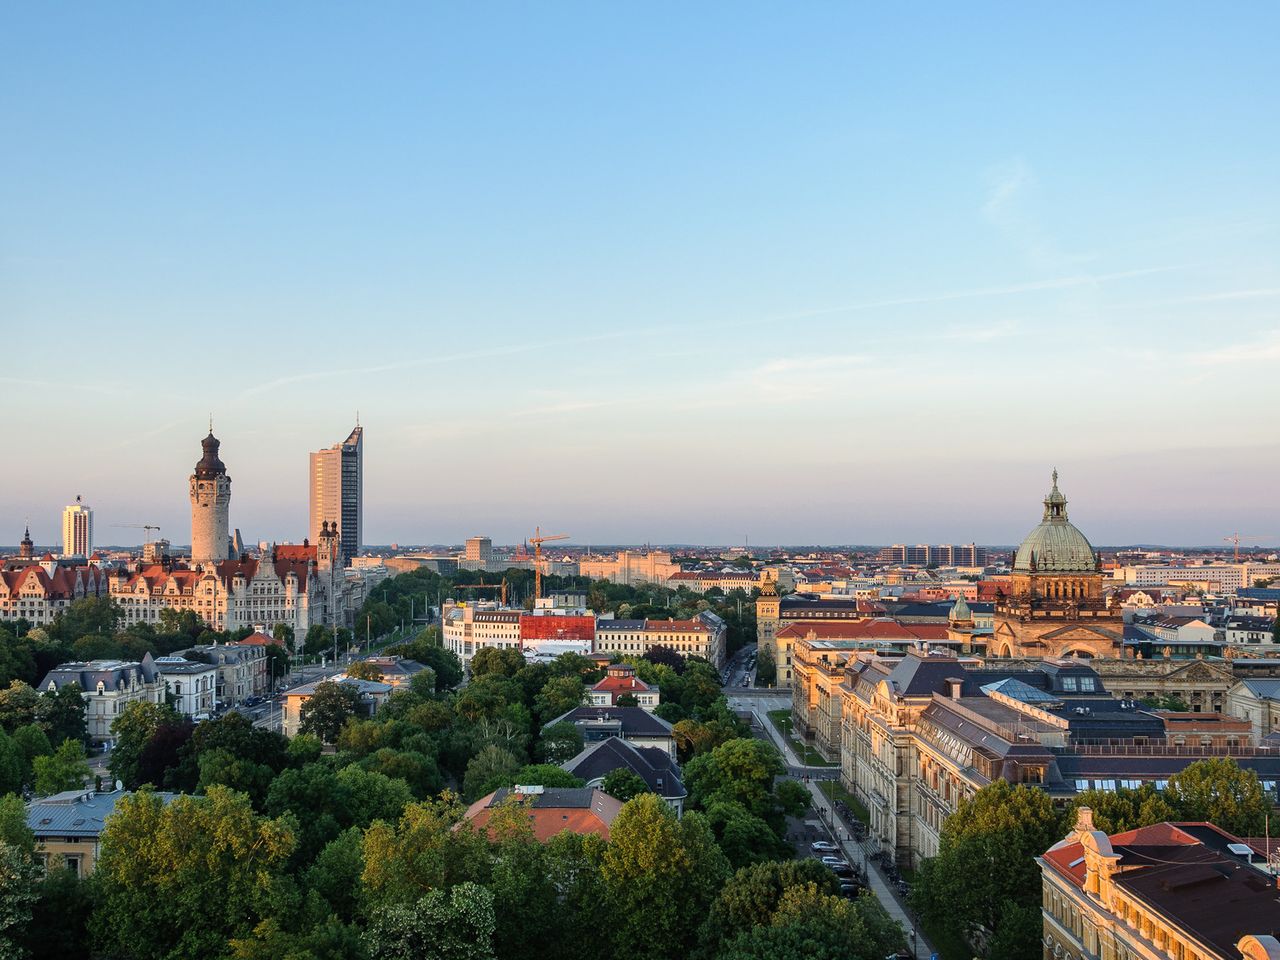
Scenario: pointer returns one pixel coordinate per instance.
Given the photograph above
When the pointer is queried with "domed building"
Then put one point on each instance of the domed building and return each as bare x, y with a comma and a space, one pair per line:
1055, 605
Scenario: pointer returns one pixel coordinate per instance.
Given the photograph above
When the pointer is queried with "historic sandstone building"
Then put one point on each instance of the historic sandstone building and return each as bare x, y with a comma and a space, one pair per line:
1055, 605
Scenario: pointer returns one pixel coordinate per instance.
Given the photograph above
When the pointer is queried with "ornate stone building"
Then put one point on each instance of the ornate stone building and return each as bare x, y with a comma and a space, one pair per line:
1055, 605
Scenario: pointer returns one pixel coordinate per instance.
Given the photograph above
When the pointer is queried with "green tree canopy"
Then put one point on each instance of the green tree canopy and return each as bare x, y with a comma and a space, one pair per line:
560, 742
178, 880
1217, 790
660, 877
985, 878
456, 924
65, 769
328, 708
624, 784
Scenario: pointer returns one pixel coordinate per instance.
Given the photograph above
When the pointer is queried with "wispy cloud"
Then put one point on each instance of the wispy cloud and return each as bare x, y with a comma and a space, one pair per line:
1032, 286
1258, 294
1265, 349
1010, 208
981, 333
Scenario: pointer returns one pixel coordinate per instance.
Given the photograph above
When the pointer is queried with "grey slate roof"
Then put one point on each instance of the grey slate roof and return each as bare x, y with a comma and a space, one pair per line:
653, 765
633, 721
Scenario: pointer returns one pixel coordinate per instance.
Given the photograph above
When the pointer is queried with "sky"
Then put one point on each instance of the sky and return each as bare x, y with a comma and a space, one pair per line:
666, 272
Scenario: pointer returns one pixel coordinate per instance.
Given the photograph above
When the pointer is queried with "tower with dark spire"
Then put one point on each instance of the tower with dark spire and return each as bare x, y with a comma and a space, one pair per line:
26, 549
210, 491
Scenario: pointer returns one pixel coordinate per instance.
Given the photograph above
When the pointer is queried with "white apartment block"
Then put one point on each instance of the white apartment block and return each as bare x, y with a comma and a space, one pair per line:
467, 628
77, 530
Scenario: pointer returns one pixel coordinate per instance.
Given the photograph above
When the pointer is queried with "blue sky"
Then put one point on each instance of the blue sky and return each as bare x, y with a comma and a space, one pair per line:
668, 272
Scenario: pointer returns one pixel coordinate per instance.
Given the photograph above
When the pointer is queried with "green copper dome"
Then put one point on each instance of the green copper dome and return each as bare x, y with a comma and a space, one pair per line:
1055, 546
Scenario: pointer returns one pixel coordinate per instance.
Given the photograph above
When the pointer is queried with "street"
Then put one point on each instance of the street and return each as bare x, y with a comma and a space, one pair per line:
830, 824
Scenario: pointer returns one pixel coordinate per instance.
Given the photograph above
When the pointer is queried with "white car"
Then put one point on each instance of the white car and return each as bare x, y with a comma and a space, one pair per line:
824, 846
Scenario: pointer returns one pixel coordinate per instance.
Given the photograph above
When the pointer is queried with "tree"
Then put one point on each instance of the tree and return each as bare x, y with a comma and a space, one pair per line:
66, 769
1166, 702
503, 661
744, 837
13, 824
766, 668
12, 766
545, 775
666, 657
1218, 791
741, 771
60, 917
456, 924
660, 877
364, 670
19, 876
488, 770
61, 713
18, 703
282, 633
422, 852
624, 784
31, 743
133, 730
559, 696
179, 880
809, 925
985, 877
1115, 811
328, 708
560, 742
222, 768
752, 896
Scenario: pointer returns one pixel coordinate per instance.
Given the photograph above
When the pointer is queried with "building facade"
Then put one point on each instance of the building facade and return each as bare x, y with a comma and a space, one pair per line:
337, 492
705, 635
77, 530
108, 686
1171, 890
630, 566
38, 591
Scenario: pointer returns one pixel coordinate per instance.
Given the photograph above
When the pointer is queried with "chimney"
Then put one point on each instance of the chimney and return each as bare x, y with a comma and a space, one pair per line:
953, 687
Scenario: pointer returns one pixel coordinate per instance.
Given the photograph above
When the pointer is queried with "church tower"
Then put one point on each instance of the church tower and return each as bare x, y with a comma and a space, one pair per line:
210, 504
26, 549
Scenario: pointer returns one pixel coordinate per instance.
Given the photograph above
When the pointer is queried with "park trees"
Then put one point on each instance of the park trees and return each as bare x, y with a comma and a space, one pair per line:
660, 876
1217, 790
65, 769
456, 924
984, 884
178, 880
328, 708
624, 784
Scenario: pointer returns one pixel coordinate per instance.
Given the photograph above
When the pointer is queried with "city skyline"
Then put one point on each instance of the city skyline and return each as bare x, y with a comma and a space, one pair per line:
817, 277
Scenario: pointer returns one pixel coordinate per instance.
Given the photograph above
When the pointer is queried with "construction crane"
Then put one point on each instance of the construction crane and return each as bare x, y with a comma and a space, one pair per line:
140, 526
1235, 540
486, 586
538, 540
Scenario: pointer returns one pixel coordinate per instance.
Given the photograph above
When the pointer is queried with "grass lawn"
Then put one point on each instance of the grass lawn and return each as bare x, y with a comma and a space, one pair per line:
835, 791
807, 754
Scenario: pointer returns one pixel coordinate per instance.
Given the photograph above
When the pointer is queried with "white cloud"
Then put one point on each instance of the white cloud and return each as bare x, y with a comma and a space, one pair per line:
1266, 348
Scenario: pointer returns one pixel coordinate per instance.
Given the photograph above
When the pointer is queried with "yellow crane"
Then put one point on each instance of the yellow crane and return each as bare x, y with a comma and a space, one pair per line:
140, 526
538, 540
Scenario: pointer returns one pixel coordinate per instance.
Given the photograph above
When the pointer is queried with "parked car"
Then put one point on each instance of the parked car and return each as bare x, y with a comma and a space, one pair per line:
823, 846
849, 889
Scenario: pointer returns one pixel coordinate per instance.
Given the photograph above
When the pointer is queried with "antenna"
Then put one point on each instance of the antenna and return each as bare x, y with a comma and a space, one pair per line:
211, 422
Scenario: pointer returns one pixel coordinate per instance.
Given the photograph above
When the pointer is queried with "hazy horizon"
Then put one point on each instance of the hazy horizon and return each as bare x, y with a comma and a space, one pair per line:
814, 274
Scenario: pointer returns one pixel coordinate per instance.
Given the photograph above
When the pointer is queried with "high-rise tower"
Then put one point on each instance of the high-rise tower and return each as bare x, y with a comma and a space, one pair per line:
210, 504
337, 492
77, 530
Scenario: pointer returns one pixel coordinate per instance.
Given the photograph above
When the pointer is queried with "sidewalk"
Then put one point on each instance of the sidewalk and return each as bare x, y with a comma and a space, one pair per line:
852, 850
